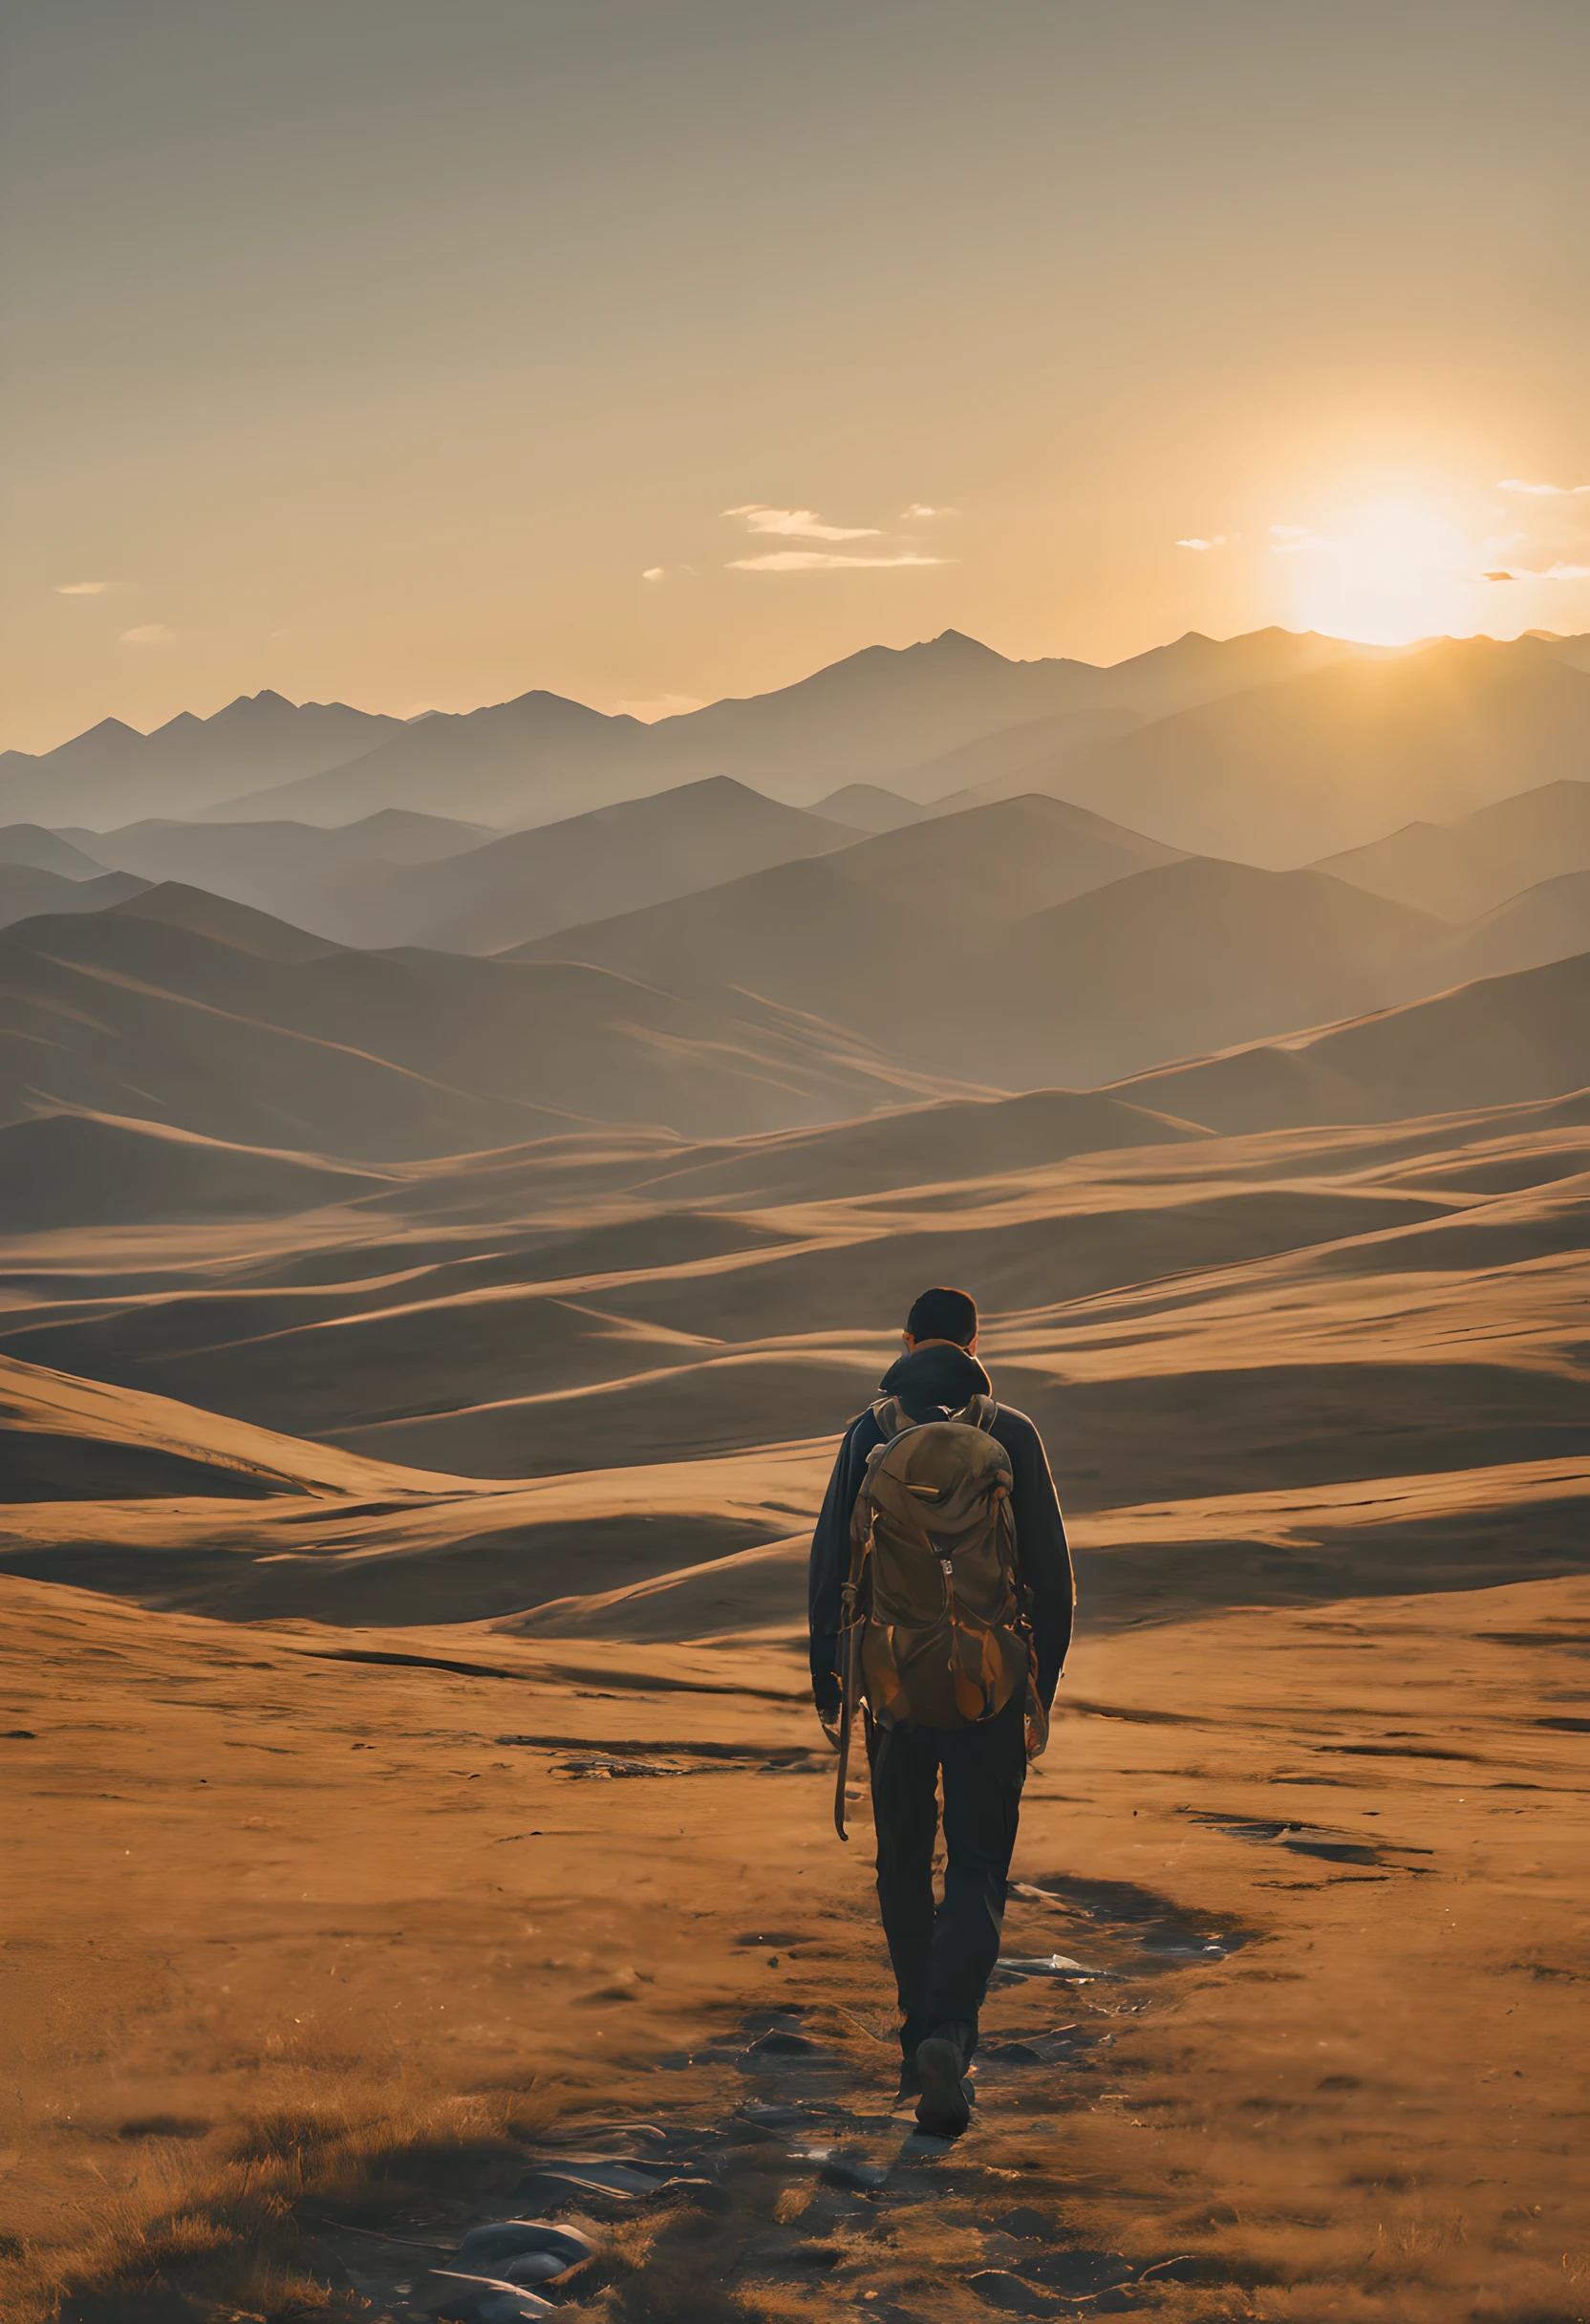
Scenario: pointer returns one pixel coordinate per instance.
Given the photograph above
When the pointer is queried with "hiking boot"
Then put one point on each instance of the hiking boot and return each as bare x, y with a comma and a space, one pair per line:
943, 2110
911, 2081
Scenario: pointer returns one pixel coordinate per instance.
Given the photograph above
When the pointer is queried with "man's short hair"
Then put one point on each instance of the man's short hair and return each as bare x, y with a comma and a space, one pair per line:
943, 1314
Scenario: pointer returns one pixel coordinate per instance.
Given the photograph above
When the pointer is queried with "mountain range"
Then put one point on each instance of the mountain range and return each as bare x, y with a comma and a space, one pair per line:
464, 889
1026, 944
181, 1008
707, 958
1459, 869
1030, 942
112, 774
1271, 748
1336, 759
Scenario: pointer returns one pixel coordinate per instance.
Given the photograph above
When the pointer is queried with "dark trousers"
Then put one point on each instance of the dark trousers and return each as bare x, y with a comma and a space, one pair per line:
943, 1955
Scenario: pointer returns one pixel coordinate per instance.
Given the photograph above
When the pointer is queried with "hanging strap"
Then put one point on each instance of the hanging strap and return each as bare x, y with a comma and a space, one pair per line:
847, 1720
849, 1684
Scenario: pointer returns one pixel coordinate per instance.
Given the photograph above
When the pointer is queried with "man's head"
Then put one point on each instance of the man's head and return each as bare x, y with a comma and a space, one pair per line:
942, 1314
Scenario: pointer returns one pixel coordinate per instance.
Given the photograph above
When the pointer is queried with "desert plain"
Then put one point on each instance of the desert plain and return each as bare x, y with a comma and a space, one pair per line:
430, 1297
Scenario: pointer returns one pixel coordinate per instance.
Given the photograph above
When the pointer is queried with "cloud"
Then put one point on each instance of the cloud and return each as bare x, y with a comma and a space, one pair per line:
1288, 539
652, 573
150, 633
1559, 571
804, 525
1555, 492
81, 589
1216, 540
919, 511
817, 561
799, 524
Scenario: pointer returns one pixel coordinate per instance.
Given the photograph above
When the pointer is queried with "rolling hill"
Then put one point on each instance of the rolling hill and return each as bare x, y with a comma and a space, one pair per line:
1547, 922
1500, 1040
202, 1015
1462, 868
25, 891
1024, 945
1284, 774
1014, 759
396, 878
1198, 955
323, 880
1029, 943
30, 843
1294, 1307
866, 806
900, 935
1575, 651
614, 859
68, 1170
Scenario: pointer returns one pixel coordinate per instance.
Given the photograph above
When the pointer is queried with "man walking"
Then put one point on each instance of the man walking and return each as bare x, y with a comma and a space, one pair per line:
954, 1636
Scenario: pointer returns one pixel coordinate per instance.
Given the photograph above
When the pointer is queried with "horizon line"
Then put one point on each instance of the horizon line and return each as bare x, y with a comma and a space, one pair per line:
1356, 645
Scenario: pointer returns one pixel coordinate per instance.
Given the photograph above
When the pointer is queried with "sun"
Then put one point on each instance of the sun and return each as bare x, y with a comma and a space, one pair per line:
1383, 574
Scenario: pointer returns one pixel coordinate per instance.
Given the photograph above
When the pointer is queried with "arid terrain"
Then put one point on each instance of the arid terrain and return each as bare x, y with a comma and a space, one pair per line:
431, 1290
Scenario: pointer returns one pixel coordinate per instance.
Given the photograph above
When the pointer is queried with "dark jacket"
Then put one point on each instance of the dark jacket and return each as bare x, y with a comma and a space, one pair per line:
930, 1381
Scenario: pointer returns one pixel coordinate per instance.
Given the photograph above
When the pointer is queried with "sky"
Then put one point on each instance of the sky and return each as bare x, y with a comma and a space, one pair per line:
415, 353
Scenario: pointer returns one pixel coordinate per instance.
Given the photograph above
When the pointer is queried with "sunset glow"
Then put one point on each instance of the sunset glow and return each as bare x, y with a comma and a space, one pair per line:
794, 954
1386, 575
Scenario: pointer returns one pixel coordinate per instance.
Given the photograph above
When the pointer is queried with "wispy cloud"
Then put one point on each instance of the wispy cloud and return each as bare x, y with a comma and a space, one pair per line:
1550, 492
149, 633
652, 573
81, 589
820, 561
1559, 571
1216, 540
799, 524
919, 512
804, 525
1288, 539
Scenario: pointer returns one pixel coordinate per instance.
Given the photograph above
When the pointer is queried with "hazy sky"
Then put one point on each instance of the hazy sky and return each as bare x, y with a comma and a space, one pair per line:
411, 351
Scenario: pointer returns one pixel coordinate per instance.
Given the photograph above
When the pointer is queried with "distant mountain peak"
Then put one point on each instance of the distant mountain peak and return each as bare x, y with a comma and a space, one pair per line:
956, 641
266, 702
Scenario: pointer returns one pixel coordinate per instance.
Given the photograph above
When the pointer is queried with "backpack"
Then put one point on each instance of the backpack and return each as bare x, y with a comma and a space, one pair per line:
936, 1626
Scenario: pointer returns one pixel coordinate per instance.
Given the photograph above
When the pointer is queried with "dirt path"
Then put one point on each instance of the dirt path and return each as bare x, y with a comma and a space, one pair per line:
311, 1912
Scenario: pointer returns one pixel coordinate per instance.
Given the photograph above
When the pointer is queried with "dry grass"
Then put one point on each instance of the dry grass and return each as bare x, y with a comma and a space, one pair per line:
225, 2229
349, 1988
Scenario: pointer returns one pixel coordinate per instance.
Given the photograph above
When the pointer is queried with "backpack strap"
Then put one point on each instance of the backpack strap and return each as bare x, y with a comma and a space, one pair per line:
894, 1419
980, 1412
